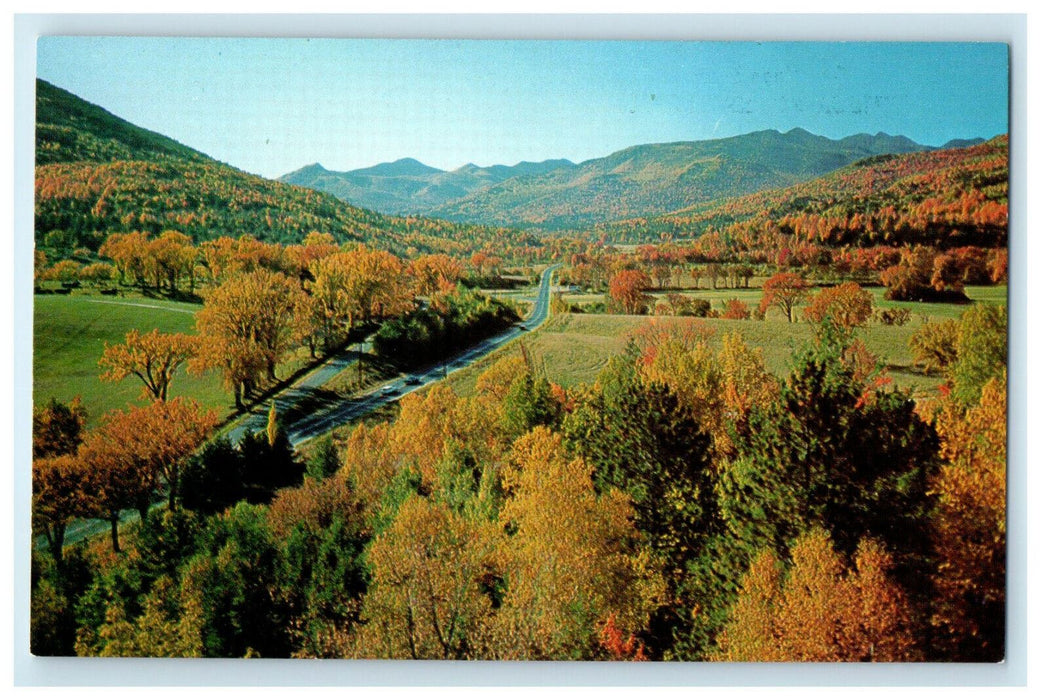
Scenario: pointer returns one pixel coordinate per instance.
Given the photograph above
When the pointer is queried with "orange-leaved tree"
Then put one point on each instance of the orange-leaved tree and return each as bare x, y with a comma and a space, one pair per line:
61, 489
377, 284
784, 290
845, 306
313, 247
134, 450
58, 428
735, 310
820, 610
153, 358
352, 286
129, 252
626, 289
435, 273
169, 256
246, 327
969, 527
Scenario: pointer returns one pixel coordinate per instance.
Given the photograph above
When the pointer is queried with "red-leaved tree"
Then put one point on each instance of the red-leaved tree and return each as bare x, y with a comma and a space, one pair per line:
784, 290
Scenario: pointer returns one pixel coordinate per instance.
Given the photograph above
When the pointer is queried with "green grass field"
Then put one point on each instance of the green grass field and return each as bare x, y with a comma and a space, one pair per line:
570, 349
70, 332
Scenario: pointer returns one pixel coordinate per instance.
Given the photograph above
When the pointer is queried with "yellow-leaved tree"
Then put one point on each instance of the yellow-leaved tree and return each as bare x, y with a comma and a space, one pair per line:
572, 561
820, 610
427, 598
153, 357
247, 326
969, 527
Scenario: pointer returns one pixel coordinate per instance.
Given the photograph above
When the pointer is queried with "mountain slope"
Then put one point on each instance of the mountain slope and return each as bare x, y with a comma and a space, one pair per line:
656, 178
946, 197
68, 129
407, 186
97, 174
637, 181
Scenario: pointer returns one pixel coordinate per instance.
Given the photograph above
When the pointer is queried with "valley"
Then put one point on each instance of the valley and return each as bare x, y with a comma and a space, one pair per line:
660, 404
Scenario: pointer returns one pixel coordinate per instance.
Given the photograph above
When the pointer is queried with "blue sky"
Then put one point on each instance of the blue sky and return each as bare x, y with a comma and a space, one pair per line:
270, 106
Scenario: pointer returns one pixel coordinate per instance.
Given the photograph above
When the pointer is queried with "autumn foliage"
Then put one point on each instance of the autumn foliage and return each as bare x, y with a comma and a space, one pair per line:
147, 445
784, 290
627, 291
686, 504
247, 325
818, 609
846, 306
970, 528
153, 357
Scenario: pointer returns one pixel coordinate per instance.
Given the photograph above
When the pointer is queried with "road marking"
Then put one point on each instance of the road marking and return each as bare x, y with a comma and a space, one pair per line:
144, 306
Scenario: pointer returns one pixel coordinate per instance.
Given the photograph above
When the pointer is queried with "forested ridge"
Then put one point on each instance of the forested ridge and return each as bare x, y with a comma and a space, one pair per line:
97, 174
944, 198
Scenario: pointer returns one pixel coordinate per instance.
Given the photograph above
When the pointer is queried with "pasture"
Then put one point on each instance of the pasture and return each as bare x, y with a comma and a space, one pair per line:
570, 349
70, 333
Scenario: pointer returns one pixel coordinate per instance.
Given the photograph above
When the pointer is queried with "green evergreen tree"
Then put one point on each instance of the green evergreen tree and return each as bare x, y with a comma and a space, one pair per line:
834, 454
323, 462
639, 438
528, 404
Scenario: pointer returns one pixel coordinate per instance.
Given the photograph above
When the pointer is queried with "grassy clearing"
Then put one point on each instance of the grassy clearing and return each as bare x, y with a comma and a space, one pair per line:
570, 349
752, 297
921, 310
70, 333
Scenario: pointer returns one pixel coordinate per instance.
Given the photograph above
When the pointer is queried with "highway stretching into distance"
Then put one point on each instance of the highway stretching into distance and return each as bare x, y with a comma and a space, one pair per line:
329, 416
317, 424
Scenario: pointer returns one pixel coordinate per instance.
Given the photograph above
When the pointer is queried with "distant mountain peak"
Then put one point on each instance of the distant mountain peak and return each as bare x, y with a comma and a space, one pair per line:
963, 143
402, 167
311, 169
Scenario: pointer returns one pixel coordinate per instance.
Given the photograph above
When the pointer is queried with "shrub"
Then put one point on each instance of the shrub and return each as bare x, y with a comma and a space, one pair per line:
894, 317
934, 345
735, 310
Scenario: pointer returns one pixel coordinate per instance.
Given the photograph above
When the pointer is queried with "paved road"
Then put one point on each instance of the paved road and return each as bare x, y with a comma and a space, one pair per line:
345, 411
304, 392
330, 415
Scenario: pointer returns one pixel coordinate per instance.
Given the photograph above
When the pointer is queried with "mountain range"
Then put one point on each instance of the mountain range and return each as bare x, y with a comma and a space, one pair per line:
639, 181
407, 186
97, 173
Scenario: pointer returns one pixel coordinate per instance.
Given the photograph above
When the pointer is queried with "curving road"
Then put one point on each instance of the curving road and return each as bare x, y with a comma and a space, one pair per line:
328, 417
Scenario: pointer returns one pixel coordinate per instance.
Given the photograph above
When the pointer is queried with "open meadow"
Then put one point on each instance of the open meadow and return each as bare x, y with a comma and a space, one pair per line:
571, 348
71, 331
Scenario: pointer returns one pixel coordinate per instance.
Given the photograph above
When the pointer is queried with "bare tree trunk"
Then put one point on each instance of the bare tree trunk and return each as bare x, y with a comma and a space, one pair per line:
143, 509
56, 538
114, 530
